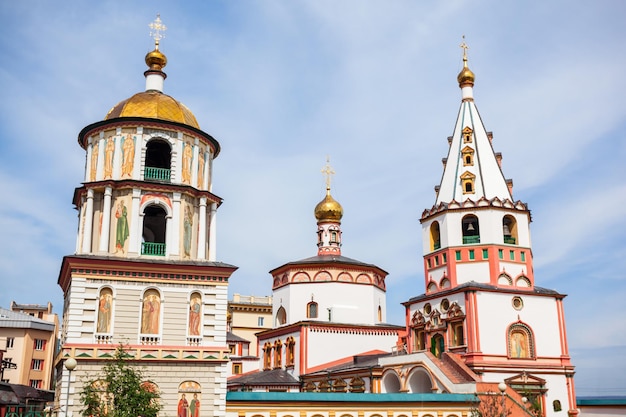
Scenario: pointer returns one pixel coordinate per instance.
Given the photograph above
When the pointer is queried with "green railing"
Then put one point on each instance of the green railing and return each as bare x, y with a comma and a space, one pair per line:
509, 239
437, 245
26, 411
151, 248
471, 239
157, 174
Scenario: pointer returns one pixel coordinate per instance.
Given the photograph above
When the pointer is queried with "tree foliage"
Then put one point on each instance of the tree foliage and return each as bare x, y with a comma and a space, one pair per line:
490, 404
120, 390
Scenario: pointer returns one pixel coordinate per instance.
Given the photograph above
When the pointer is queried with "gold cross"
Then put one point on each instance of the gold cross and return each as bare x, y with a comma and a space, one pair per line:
156, 30
464, 46
328, 171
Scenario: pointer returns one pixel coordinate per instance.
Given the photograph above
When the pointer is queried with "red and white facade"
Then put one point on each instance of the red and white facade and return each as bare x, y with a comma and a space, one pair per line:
481, 300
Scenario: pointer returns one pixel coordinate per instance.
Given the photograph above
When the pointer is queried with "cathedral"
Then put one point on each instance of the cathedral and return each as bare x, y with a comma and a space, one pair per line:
145, 274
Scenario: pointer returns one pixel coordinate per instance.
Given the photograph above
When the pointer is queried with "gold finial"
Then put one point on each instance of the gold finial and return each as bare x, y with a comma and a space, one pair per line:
156, 30
466, 77
328, 171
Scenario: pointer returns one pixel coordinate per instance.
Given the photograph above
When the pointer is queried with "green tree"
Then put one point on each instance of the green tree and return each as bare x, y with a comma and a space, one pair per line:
120, 390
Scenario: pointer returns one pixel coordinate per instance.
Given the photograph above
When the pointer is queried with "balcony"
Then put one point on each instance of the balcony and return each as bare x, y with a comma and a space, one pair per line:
152, 248
157, 174
471, 239
509, 239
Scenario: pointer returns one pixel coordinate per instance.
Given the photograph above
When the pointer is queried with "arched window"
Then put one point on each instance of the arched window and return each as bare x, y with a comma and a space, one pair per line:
278, 354
419, 381
467, 182
311, 310
509, 230
521, 342
281, 316
468, 156
290, 351
105, 311
267, 356
158, 161
380, 314
435, 237
470, 229
154, 231
151, 313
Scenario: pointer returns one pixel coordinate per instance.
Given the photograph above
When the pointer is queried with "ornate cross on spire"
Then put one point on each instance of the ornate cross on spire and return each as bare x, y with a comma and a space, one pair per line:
464, 46
156, 30
328, 171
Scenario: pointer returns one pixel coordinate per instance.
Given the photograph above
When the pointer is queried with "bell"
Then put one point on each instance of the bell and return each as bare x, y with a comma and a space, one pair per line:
470, 227
505, 230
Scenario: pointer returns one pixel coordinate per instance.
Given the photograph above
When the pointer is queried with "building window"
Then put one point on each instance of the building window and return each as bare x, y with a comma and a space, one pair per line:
236, 368
467, 182
232, 349
259, 321
509, 230
444, 257
40, 344
37, 364
435, 237
429, 262
485, 253
457, 334
281, 316
470, 229
512, 255
10, 342
35, 383
500, 254
267, 356
291, 345
522, 256
154, 231
467, 134
158, 161
311, 310
468, 156
471, 254
278, 354
457, 254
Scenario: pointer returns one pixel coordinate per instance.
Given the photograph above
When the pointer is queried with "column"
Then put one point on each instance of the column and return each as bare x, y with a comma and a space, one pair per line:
135, 235
213, 233
106, 221
173, 233
87, 231
202, 229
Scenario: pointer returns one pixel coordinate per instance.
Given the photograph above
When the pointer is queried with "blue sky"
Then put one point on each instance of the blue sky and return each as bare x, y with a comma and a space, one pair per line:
282, 84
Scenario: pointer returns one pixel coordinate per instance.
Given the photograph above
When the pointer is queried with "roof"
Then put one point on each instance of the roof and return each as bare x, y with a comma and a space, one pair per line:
329, 259
351, 397
601, 401
472, 285
231, 337
154, 105
274, 377
17, 320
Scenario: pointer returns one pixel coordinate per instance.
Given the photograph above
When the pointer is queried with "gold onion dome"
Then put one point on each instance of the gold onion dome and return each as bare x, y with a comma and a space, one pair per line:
156, 60
154, 105
466, 76
328, 209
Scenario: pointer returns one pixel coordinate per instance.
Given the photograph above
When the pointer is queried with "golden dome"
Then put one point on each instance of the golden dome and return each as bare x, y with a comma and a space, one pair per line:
328, 209
154, 105
156, 60
466, 76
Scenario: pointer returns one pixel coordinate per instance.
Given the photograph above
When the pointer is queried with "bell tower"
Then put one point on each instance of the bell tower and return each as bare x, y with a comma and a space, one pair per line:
481, 301
145, 273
